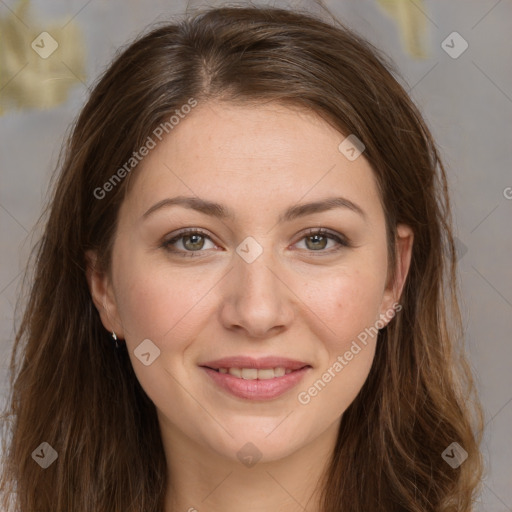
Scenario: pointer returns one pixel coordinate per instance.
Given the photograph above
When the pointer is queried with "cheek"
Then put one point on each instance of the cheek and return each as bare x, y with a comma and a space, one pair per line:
348, 305
347, 300
350, 311
155, 302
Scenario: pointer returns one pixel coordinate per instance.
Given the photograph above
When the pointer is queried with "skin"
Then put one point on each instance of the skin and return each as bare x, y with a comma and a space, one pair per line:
298, 299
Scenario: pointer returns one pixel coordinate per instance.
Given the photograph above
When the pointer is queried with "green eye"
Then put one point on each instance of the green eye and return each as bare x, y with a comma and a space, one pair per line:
319, 239
193, 241
196, 241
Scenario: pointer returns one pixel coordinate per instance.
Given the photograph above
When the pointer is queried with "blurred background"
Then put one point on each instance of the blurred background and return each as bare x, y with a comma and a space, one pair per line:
455, 60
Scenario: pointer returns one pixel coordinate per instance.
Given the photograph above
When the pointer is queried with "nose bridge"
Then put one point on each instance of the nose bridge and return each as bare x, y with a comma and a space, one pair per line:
255, 268
257, 274
257, 297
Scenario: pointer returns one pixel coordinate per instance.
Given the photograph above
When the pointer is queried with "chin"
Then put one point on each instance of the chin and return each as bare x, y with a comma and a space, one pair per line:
263, 441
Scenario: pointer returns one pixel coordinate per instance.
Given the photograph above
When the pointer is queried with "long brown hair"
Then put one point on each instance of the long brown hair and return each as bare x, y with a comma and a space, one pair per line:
71, 390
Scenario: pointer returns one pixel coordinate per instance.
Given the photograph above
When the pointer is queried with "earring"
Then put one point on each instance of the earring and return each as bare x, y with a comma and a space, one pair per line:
114, 337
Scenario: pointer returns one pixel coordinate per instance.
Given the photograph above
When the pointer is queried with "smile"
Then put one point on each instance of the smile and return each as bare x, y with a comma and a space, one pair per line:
255, 373
256, 384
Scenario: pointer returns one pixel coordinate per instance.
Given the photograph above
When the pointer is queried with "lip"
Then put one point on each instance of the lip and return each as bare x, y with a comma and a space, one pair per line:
256, 389
251, 362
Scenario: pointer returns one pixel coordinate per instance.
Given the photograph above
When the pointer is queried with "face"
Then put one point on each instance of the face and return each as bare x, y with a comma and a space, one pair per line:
256, 283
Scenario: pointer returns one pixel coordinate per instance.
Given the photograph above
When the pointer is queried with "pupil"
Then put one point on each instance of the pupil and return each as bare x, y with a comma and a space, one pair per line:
195, 237
318, 238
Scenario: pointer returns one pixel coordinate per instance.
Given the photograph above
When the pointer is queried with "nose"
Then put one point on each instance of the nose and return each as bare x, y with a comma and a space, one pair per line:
256, 298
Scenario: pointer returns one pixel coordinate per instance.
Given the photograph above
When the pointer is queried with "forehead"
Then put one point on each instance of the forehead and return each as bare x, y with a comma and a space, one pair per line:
268, 154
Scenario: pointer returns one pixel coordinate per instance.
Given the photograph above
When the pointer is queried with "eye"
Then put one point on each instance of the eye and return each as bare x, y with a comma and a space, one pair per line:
317, 240
193, 241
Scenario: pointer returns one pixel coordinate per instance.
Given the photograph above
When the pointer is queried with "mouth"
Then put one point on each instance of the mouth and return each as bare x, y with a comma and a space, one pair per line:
256, 373
255, 379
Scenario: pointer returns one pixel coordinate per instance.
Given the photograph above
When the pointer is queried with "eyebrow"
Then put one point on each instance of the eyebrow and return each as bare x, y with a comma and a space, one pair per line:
220, 211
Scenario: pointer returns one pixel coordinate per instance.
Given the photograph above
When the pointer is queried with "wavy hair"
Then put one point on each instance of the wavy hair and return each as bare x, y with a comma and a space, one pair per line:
70, 389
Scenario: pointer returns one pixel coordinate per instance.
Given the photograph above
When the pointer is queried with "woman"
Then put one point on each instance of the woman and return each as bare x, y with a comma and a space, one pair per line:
253, 213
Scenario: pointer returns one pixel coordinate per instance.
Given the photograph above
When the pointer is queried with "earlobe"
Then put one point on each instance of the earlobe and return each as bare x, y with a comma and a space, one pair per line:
100, 288
403, 248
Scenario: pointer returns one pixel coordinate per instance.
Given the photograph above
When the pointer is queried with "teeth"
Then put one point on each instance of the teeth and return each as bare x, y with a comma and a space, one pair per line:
264, 374
249, 373
255, 373
236, 372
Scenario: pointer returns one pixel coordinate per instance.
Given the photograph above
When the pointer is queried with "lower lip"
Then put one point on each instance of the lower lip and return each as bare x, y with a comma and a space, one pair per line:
257, 389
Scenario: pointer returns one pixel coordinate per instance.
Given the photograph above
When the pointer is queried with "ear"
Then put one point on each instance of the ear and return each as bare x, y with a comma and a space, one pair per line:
102, 293
403, 248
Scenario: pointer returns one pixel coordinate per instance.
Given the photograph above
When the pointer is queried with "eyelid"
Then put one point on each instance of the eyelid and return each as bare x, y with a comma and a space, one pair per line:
167, 242
344, 240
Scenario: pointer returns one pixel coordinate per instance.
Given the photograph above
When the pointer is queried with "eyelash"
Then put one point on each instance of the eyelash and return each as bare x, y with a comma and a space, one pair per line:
342, 241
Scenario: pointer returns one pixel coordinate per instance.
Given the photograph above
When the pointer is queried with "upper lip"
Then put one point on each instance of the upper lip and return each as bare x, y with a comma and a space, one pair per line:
250, 362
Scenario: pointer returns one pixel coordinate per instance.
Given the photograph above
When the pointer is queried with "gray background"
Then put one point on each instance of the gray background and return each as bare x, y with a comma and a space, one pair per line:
467, 103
